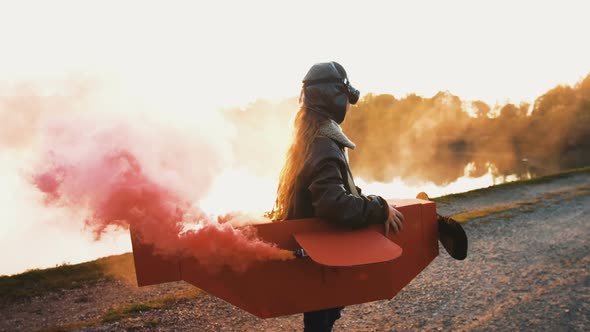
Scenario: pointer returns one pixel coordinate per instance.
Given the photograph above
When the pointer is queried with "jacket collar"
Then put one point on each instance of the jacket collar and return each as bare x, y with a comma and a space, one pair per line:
332, 130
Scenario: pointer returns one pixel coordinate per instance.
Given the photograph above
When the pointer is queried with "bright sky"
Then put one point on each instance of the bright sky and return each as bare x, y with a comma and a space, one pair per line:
196, 56
223, 53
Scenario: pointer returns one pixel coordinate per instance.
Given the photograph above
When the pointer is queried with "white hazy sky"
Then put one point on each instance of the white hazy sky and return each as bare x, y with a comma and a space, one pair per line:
198, 56
223, 53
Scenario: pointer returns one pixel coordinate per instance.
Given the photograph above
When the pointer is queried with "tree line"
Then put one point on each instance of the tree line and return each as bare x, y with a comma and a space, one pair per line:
435, 139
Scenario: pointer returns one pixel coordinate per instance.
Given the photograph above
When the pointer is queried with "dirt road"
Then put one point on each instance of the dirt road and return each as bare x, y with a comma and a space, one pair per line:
527, 269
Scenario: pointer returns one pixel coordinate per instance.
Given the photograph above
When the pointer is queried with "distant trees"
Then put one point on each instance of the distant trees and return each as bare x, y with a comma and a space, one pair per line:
435, 138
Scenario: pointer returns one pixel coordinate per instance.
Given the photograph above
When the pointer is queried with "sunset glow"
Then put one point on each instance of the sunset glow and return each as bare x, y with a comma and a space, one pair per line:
168, 68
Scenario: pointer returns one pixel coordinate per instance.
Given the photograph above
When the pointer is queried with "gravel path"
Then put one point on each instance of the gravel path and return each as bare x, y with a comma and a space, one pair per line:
527, 269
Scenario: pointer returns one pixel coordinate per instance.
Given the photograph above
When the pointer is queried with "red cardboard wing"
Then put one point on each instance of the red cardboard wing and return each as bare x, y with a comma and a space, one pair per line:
348, 248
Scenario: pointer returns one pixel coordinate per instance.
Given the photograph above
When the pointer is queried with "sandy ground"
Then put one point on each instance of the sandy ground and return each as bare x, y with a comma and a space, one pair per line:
527, 269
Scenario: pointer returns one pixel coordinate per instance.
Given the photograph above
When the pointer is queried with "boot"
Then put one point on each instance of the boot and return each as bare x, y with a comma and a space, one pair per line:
450, 234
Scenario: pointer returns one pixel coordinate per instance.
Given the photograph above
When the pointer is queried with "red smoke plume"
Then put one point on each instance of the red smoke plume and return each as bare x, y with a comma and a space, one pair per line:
105, 173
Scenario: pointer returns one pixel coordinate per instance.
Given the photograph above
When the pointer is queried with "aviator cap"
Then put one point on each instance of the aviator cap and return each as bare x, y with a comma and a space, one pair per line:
327, 90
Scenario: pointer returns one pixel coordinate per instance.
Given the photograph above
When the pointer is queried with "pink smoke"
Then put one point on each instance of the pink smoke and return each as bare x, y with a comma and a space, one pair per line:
122, 177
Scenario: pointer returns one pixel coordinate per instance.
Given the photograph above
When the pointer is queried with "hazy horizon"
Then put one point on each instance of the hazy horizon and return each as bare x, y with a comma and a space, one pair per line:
148, 76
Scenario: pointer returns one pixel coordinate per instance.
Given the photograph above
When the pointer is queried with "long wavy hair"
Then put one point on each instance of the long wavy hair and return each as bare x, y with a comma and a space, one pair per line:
305, 128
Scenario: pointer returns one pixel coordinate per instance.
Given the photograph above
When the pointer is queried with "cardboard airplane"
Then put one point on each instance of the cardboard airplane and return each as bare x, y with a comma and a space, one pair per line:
339, 267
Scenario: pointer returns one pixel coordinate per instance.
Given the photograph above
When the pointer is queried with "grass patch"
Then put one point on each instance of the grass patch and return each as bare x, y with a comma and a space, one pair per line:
152, 323
509, 185
163, 302
522, 206
466, 216
38, 282
480, 213
576, 195
122, 313
506, 216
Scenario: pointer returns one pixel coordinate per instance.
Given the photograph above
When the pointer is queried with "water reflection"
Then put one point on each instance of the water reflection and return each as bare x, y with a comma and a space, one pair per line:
400, 188
256, 194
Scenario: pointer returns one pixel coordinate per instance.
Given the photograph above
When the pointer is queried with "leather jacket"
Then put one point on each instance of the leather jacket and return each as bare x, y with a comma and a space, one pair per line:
323, 190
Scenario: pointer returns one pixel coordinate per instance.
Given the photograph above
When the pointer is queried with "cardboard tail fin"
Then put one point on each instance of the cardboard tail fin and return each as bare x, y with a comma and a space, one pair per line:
151, 268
